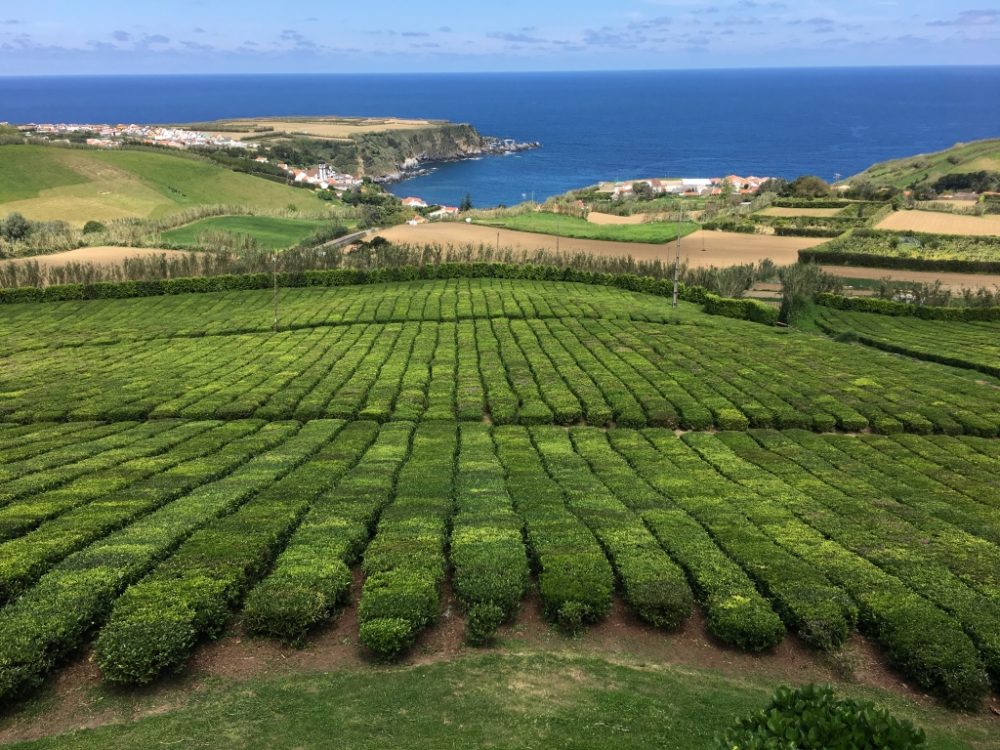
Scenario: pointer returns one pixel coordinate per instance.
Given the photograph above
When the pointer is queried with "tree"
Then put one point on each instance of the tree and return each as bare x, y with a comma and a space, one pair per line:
809, 186
466, 204
643, 191
15, 227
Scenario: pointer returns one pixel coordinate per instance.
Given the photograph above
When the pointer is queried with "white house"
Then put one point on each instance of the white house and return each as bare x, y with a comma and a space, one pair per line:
412, 202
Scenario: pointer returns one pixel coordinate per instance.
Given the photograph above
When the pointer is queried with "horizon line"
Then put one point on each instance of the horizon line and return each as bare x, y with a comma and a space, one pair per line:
916, 66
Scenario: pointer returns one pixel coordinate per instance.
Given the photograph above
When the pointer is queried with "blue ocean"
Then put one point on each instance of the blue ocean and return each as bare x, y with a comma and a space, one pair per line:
593, 126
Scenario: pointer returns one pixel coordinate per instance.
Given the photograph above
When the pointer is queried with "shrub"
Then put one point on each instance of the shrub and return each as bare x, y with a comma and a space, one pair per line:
811, 718
386, 636
92, 227
482, 622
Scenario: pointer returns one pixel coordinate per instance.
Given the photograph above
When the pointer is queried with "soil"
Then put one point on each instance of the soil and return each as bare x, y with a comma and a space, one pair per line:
698, 250
596, 217
941, 223
100, 255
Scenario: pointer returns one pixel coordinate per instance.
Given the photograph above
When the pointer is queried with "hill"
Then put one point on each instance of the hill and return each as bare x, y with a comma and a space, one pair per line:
77, 185
979, 156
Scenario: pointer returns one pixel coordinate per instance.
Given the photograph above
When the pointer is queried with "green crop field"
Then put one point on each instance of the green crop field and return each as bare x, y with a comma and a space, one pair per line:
520, 352
449, 455
571, 226
269, 231
77, 185
972, 345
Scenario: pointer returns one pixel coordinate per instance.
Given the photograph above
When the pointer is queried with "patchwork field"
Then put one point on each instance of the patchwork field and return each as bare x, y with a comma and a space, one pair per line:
542, 222
76, 185
699, 249
936, 222
269, 231
315, 127
407, 467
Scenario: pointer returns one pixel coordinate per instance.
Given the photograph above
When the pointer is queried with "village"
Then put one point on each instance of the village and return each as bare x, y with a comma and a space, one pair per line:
113, 136
689, 186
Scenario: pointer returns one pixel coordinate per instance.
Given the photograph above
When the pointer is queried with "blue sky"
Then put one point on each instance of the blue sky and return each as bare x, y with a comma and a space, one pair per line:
253, 36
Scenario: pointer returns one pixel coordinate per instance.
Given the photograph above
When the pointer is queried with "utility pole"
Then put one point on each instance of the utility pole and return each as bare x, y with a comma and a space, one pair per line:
677, 257
274, 276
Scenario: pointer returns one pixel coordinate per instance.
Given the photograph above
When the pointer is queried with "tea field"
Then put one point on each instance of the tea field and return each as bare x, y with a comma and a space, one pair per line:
974, 345
171, 466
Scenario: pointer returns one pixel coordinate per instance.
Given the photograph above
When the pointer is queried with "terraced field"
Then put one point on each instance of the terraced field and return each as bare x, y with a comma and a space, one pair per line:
170, 465
972, 345
511, 352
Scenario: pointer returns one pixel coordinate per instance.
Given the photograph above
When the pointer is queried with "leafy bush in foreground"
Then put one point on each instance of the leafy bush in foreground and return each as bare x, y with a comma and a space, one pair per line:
811, 718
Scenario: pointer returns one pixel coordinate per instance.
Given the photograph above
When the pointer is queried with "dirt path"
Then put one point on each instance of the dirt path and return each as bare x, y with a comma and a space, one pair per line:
698, 249
101, 255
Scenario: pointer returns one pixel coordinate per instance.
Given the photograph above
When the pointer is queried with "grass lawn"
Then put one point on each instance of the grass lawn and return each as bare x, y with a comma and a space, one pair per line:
270, 231
489, 700
77, 185
571, 226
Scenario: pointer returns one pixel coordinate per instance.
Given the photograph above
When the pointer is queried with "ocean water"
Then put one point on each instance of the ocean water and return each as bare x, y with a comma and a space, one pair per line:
593, 126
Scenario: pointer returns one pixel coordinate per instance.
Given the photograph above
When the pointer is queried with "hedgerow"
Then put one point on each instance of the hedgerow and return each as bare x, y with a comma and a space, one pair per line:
486, 547
920, 639
54, 618
312, 576
155, 624
405, 563
575, 581
652, 583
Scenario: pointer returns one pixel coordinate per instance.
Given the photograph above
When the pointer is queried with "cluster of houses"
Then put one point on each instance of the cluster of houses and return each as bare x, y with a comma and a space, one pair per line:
689, 186
441, 212
322, 176
112, 136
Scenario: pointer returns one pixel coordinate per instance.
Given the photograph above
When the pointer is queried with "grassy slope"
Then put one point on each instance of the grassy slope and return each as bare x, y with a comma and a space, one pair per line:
970, 157
269, 231
77, 185
492, 700
571, 226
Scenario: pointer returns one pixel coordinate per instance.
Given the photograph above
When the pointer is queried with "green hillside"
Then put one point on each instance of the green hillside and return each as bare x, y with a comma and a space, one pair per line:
77, 185
962, 158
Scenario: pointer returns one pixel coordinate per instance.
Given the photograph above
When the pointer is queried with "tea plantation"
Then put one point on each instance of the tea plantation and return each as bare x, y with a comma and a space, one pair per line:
171, 464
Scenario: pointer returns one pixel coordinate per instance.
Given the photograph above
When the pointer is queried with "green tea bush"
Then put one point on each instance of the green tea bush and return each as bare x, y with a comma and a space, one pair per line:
812, 718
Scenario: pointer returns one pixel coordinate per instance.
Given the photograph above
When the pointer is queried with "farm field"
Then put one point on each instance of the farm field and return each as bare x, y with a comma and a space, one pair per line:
108, 254
160, 533
936, 222
972, 345
819, 213
272, 232
953, 281
542, 222
316, 127
408, 470
516, 352
77, 185
899, 247
698, 250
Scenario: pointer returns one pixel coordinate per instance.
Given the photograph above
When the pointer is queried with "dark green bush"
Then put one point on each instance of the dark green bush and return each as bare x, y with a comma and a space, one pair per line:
742, 309
91, 227
386, 636
481, 623
811, 718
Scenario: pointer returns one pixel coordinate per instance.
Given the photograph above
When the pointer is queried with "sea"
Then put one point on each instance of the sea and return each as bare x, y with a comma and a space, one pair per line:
593, 126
